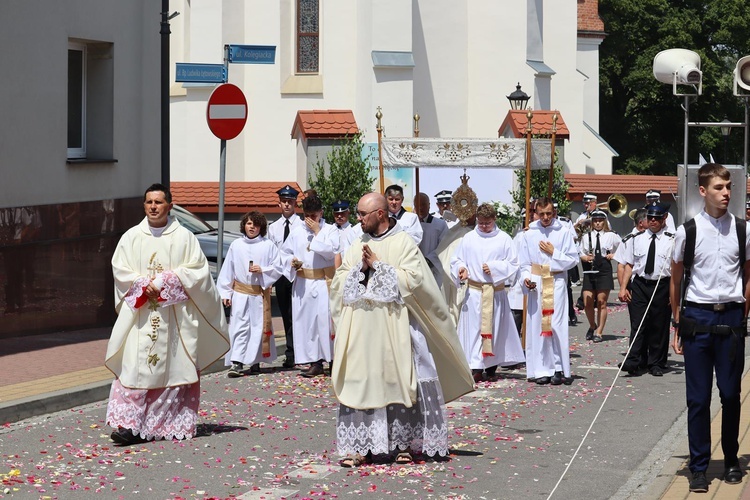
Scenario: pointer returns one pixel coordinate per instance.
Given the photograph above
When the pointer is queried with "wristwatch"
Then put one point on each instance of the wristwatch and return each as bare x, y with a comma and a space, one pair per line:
675, 324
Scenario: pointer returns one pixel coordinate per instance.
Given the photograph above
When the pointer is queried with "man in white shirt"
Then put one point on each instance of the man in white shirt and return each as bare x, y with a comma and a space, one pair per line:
408, 221
433, 232
443, 201
654, 196
710, 327
646, 258
278, 232
341, 212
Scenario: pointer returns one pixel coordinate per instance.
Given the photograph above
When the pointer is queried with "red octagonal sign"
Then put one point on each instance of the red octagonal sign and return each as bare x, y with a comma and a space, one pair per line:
227, 111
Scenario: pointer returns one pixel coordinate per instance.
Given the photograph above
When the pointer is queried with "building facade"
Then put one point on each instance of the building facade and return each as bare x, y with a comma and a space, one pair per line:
80, 143
452, 62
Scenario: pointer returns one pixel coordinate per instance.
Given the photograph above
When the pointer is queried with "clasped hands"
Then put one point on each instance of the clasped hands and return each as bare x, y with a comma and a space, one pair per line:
368, 257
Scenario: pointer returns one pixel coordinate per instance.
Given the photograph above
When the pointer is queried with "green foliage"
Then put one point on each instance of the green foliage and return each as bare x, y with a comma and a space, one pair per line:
640, 118
343, 175
509, 218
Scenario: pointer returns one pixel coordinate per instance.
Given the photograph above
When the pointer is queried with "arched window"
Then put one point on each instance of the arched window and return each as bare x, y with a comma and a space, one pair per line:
308, 39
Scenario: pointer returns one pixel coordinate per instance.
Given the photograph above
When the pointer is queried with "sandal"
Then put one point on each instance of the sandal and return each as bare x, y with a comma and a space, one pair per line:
597, 338
355, 460
404, 458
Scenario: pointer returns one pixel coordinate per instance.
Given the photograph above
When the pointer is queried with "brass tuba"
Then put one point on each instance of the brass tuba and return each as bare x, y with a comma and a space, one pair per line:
616, 205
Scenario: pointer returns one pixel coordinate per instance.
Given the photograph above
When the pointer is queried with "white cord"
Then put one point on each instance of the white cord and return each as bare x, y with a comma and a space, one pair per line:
617, 375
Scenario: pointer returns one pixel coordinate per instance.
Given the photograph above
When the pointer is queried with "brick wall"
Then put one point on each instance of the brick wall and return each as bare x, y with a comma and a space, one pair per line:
588, 16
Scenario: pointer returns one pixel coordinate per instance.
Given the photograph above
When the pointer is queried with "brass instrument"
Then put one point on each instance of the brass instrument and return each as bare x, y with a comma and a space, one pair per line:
583, 227
616, 205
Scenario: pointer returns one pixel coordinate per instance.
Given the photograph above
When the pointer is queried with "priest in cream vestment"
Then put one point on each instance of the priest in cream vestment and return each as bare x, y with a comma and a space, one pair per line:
170, 326
397, 357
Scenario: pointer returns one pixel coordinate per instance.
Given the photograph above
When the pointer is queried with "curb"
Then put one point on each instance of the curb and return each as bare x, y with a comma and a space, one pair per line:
65, 399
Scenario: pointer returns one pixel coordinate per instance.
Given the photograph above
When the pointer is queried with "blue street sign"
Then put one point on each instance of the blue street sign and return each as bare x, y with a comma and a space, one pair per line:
252, 54
200, 73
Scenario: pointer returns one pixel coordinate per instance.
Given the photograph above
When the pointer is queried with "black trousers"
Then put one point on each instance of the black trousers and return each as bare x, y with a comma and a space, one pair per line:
284, 298
651, 346
706, 354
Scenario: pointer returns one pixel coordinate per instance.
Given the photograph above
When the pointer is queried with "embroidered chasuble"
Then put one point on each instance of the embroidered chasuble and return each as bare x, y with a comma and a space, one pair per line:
168, 342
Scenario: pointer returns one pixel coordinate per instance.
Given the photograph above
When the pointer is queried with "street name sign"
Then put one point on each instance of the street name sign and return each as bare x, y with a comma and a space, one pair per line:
252, 54
200, 73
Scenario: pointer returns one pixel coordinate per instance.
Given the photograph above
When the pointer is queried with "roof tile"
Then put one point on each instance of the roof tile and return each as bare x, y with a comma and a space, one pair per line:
541, 124
239, 197
328, 123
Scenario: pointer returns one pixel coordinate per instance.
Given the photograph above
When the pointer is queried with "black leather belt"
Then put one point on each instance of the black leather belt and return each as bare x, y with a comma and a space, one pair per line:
645, 280
726, 306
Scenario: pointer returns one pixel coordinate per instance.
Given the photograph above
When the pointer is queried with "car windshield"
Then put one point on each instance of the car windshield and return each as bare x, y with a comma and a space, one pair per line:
192, 223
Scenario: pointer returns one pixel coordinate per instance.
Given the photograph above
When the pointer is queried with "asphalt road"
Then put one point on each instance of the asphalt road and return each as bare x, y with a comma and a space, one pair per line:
273, 436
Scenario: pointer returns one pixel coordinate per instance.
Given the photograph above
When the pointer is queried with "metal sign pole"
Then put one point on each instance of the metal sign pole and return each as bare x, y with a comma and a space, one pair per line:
222, 178
222, 175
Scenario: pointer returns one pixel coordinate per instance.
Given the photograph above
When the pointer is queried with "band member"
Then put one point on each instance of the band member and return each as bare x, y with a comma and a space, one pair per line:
654, 196
443, 200
646, 258
597, 248
341, 212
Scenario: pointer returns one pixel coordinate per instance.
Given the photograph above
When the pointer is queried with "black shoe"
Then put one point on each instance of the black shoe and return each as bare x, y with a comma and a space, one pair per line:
590, 334
236, 370
477, 375
631, 370
656, 371
699, 483
315, 370
126, 437
491, 371
733, 475
288, 362
543, 380
255, 369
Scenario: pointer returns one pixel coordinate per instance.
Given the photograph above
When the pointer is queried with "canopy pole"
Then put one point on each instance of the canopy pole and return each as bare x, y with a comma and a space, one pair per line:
552, 156
416, 134
379, 128
529, 115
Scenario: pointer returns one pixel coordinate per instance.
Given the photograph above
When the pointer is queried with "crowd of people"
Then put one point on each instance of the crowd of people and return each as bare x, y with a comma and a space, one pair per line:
411, 309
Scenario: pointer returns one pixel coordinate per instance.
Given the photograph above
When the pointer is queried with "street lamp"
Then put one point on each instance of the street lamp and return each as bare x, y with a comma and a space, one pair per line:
518, 99
725, 130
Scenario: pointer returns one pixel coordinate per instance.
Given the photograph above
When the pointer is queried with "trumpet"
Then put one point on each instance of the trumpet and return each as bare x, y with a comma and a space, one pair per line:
616, 205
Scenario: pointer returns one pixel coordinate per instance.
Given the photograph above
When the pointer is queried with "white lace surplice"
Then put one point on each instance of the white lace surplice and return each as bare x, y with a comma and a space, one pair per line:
166, 413
423, 428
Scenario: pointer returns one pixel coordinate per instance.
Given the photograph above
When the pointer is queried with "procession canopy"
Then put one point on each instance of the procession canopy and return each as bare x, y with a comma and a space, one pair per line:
418, 152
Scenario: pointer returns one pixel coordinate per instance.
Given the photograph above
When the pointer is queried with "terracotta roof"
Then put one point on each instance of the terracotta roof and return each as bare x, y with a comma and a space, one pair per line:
239, 197
324, 123
541, 124
604, 185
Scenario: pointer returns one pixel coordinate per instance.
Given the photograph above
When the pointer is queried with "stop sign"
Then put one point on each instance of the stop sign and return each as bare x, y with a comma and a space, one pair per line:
227, 111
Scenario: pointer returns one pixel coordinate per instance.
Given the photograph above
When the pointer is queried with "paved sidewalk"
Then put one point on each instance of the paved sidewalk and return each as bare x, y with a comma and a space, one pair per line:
46, 373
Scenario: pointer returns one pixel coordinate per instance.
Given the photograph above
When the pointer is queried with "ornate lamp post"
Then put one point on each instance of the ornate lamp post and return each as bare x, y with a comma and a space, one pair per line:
518, 99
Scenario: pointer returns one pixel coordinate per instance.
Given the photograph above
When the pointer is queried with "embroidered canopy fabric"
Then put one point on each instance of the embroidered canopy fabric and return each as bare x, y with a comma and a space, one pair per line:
417, 152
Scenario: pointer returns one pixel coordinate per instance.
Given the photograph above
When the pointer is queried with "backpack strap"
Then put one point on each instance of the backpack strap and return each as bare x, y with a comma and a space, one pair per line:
687, 260
741, 226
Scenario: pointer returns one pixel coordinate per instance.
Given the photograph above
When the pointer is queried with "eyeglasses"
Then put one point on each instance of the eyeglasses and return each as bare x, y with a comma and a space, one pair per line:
362, 214
654, 217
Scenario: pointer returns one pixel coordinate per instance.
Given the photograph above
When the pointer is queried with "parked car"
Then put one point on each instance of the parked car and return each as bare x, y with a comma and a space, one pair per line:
207, 235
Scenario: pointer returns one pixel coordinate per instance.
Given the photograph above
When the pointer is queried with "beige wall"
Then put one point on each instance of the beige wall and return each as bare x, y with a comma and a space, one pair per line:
34, 35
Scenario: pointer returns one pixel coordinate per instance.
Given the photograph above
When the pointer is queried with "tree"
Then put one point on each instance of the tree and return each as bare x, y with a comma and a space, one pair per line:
640, 117
343, 175
509, 218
